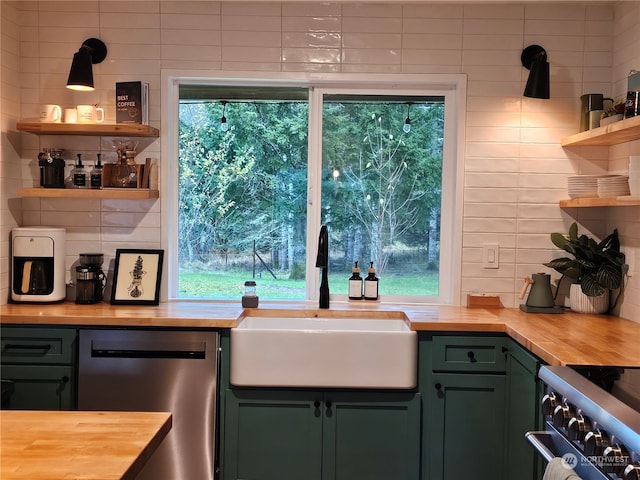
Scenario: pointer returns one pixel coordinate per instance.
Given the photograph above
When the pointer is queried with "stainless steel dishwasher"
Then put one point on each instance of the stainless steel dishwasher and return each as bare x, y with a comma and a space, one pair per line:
157, 370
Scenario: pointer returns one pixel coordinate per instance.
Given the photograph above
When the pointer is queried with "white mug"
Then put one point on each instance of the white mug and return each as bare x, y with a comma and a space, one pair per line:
90, 114
70, 115
50, 113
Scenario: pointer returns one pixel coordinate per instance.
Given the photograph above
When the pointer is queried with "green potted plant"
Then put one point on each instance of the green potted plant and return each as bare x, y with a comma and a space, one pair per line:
596, 267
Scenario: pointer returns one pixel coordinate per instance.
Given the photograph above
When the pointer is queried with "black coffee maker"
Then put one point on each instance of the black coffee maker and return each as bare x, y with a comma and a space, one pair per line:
51, 166
90, 279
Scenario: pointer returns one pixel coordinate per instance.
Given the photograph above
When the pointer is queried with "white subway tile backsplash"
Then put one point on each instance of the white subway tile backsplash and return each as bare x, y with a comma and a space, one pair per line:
515, 170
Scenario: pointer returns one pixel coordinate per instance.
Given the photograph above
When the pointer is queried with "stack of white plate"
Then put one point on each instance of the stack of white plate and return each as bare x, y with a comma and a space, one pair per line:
583, 186
613, 186
634, 175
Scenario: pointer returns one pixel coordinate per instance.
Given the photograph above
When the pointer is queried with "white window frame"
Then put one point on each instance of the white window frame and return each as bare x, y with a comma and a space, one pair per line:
450, 86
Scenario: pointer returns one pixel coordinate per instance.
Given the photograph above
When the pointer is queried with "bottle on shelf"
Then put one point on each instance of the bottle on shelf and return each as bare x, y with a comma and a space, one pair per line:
79, 174
371, 284
96, 173
355, 284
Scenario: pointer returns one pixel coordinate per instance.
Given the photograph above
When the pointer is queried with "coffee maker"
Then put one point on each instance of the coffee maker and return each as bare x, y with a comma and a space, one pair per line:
51, 166
37, 264
90, 279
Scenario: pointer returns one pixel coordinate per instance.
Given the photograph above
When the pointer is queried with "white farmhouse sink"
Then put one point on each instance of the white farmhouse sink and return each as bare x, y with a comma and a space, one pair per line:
323, 352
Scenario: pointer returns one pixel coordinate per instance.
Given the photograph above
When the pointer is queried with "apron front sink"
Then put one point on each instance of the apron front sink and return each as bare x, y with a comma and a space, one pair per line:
323, 352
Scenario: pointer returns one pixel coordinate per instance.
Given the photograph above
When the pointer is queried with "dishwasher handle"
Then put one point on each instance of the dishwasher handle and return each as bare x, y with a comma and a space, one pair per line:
142, 349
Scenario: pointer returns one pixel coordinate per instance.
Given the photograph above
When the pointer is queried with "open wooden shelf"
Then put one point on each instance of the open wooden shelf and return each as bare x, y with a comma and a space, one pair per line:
95, 129
626, 201
104, 193
617, 132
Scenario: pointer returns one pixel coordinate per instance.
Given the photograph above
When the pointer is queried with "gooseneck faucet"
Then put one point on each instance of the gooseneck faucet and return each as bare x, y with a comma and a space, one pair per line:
322, 262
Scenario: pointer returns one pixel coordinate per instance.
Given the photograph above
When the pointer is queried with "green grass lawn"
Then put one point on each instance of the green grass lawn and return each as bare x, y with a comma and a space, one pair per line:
223, 285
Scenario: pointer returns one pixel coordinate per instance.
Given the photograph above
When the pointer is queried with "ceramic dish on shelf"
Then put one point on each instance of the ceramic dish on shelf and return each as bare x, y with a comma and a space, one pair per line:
613, 186
583, 186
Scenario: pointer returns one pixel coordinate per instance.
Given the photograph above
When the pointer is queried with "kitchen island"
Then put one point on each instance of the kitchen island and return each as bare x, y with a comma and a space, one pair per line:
558, 339
47, 445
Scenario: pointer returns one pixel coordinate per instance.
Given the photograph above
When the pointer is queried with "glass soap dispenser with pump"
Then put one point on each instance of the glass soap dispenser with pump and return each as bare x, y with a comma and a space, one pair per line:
371, 284
355, 284
79, 174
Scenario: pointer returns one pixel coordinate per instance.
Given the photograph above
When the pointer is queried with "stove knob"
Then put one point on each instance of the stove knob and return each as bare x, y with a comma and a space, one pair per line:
578, 427
562, 414
549, 403
632, 472
615, 457
595, 442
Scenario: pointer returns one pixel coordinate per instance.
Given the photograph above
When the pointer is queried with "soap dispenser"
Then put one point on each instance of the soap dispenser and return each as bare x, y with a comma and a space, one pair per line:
79, 174
355, 284
371, 284
96, 174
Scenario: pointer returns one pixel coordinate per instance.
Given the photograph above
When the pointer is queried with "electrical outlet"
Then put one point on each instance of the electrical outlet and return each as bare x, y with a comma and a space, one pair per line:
491, 255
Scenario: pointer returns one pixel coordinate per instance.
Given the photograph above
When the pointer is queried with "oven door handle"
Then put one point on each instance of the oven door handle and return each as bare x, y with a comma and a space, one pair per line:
535, 439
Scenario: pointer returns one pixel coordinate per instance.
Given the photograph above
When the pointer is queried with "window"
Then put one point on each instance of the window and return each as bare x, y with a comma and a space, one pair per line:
262, 166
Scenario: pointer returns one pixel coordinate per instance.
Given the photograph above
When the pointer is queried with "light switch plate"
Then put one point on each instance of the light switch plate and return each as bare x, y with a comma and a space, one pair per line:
491, 255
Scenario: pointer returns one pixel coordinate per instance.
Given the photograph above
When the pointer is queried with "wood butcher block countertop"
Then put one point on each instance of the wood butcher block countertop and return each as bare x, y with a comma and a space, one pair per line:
558, 339
45, 445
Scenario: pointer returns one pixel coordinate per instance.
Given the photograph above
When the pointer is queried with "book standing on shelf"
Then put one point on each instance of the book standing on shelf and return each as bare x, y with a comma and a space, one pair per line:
132, 102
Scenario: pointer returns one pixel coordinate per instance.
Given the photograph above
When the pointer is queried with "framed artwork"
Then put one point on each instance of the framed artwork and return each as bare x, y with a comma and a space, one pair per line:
136, 277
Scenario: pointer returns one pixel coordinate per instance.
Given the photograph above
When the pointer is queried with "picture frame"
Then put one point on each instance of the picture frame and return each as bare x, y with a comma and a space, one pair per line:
136, 277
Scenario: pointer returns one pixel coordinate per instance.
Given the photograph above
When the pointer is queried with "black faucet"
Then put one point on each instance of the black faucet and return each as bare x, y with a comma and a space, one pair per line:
322, 261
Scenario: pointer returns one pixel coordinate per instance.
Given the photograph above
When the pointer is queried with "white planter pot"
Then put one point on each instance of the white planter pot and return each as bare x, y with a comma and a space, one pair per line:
581, 303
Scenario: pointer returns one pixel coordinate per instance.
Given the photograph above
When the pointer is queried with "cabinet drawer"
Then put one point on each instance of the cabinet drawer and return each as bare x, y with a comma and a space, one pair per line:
32, 345
475, 354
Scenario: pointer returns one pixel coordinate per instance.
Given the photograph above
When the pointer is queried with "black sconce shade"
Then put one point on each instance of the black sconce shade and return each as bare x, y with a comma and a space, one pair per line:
81, 74
534, 58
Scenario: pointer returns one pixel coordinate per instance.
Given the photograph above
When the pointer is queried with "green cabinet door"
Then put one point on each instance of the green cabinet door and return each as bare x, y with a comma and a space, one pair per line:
371, 436
272, 435
522, 413
40, 387
320, 435
465, 426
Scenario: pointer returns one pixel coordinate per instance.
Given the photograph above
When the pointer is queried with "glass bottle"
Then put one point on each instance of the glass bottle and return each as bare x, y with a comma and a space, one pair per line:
96, 174
79, 174
371, 285
355, 284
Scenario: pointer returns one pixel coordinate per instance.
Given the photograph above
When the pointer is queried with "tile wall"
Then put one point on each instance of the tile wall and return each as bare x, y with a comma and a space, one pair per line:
515, 168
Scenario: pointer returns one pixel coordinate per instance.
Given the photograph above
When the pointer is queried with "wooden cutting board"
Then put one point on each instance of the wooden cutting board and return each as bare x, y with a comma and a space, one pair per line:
39, 445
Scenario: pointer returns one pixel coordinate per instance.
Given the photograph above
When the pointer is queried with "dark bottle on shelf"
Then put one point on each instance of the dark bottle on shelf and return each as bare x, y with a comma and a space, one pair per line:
96, 174
371, 284
79, 174
355, 284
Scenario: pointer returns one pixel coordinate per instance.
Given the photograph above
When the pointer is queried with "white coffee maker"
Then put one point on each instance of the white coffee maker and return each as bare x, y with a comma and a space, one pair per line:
37, 264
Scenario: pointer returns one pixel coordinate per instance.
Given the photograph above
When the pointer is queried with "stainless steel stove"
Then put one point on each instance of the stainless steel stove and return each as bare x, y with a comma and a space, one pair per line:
589, 422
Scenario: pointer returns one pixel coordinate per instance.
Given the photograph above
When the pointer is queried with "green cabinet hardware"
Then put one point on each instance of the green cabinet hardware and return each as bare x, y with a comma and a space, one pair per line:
41, 363
320, 435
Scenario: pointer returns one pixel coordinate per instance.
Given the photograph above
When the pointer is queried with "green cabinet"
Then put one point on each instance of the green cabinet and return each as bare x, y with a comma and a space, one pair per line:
286, 434
481, 395
463, 380
41, 363
522, 413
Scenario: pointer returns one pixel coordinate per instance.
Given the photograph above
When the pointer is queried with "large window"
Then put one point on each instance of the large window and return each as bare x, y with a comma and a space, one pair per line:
261, 168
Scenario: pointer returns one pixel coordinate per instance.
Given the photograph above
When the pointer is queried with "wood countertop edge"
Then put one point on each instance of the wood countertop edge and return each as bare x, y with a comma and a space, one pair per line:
135, 468
556, 339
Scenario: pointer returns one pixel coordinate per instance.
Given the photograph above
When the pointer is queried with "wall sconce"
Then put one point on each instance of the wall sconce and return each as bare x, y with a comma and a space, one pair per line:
534, 59
406, 128
81, 74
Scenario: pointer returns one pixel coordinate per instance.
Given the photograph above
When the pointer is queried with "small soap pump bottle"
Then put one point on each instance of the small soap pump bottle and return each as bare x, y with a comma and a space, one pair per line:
79, 174
355, 284
96, 174
371, 285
